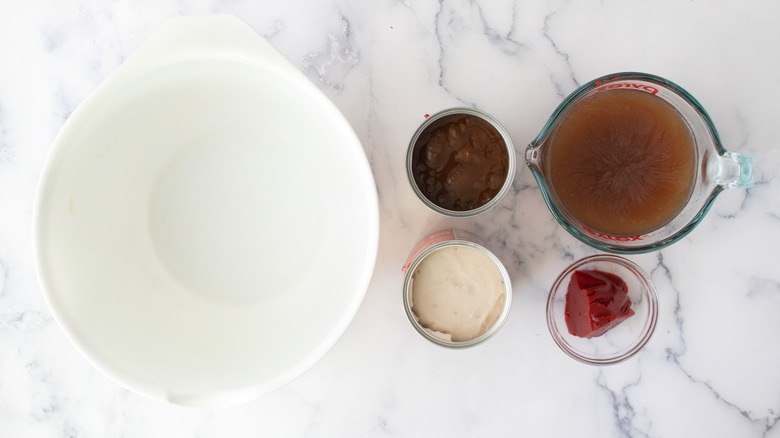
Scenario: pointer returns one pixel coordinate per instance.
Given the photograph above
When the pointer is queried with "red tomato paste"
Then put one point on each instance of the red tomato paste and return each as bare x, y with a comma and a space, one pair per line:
596, 301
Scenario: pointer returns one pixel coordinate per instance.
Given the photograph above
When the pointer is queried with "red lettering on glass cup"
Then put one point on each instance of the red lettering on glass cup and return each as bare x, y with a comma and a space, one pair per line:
649, 89
605, 80
614, 238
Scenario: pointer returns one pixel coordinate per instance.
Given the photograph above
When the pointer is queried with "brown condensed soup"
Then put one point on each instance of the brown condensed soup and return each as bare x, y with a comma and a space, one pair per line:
460, 162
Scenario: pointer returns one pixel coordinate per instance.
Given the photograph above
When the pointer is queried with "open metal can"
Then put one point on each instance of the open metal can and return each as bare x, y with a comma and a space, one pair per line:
456, 293
460, 162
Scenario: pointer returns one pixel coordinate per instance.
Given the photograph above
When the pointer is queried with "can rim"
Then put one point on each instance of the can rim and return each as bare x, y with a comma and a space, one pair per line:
511, 164
427, 333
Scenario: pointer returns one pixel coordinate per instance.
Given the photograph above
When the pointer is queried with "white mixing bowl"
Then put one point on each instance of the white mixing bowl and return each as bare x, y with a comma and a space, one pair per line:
207, 223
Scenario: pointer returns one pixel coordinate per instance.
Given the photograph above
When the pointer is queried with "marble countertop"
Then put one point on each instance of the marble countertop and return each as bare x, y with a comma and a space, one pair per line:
710, 369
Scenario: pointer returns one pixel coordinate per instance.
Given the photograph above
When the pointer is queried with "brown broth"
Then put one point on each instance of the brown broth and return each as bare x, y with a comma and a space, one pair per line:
622, 162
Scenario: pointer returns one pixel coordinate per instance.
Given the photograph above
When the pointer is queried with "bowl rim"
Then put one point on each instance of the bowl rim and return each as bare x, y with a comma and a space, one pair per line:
648, 291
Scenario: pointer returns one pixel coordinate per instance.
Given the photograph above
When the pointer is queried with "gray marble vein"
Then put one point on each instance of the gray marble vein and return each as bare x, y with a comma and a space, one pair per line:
710, 368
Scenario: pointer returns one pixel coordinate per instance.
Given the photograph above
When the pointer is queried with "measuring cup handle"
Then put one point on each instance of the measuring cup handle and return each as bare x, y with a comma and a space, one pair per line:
736, 171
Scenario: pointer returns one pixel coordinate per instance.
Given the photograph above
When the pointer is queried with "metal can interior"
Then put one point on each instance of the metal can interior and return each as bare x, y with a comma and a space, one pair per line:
430, 121
430, 334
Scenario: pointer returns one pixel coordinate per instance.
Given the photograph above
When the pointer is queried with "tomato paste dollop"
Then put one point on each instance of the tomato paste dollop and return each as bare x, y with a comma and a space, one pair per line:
596, 301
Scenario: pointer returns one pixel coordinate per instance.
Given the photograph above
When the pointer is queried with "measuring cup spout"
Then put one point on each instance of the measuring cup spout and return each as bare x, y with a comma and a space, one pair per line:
532, 154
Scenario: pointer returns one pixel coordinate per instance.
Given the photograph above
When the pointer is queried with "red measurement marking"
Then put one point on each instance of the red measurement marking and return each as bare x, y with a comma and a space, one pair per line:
427, 115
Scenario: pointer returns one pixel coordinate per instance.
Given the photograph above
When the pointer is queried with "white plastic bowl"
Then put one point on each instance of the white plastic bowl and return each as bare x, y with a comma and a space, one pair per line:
207, 223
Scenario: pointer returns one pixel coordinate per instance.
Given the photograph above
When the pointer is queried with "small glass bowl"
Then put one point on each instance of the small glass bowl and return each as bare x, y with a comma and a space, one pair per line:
620, 342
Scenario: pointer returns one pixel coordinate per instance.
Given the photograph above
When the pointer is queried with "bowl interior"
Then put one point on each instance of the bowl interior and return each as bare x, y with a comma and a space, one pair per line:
208, 225
623, 340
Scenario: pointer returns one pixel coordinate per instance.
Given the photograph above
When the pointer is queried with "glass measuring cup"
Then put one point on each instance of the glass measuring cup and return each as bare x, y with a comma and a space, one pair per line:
715, 168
